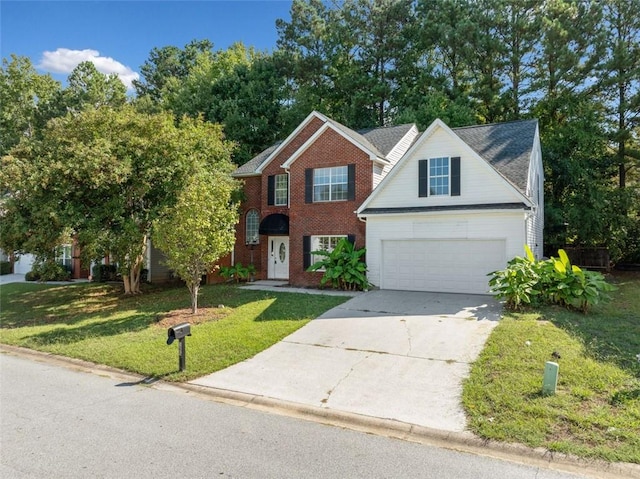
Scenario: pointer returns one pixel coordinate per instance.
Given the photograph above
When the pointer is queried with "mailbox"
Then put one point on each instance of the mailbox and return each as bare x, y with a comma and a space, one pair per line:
180, 331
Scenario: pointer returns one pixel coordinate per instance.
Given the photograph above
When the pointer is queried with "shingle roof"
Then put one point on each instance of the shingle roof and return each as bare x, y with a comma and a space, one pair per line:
249, 168
379, 140
386, 138
506, 146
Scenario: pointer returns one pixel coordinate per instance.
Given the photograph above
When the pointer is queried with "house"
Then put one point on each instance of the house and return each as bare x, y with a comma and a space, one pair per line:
458, 205
68, 255
301, 194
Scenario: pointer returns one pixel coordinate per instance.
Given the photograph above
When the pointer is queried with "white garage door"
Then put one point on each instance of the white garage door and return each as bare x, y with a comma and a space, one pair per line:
451, 266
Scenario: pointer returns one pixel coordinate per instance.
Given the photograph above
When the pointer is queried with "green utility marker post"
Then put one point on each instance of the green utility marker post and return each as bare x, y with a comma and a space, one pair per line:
550, 378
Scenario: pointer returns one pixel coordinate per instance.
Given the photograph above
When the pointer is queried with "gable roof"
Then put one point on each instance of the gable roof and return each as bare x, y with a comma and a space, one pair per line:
386, 138
250, 167
506, 146
378, 141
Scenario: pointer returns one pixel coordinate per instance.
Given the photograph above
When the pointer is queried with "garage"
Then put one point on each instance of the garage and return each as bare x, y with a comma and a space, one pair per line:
441, 265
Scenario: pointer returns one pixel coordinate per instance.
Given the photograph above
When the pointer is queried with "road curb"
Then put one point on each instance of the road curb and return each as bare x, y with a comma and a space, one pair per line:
460, 441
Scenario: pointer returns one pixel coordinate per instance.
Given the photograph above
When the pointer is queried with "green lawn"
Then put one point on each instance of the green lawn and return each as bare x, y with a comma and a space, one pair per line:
95, 322
596, 411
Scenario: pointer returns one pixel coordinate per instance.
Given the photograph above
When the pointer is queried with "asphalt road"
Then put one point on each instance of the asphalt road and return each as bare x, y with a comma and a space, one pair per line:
60, 423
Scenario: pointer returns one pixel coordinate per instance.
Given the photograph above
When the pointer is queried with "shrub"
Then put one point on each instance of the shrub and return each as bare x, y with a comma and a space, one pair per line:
528, 282
343, 267
49, 270
237, 272
101, 273
5, 267
32, 276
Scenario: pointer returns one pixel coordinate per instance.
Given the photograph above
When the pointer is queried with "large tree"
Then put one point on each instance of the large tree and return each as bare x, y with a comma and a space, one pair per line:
106, 175
89, 88
239, 88
166, 63
24, 95
619, 79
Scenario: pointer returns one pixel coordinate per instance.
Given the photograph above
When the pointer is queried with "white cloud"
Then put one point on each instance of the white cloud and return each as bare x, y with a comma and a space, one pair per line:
64, 60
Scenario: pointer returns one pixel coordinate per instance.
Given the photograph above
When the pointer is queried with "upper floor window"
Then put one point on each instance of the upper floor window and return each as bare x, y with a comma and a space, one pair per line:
330, 184
252, 223
278, 190
282, 190
439, 176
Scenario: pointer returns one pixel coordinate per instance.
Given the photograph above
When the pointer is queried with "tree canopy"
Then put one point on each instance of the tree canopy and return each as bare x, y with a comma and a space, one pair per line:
572, 64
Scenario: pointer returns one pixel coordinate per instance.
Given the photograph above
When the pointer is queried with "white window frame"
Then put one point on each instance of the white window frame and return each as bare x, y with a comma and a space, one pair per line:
330, 174
252, 236
439, 188
281, 190
64, 255
324, 243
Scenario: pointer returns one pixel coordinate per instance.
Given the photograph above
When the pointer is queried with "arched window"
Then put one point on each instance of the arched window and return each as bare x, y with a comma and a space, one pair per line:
252, 223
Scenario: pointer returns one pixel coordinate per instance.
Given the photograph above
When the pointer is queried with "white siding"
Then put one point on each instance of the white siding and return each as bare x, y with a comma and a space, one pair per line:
401, 148
499, 226
394, 155
535, 191
378, 174
479, 182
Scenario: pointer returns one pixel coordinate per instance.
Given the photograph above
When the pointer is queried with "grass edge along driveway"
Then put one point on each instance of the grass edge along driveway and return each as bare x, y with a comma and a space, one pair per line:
96, 323
596, 410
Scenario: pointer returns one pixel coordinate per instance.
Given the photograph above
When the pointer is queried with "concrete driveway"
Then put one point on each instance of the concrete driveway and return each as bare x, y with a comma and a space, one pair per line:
388, 354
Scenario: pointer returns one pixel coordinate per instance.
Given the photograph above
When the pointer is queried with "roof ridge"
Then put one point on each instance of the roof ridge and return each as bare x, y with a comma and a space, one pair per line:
495, 123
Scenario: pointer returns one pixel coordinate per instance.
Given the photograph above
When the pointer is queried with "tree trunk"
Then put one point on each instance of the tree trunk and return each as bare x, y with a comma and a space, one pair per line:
127, 284
193, 289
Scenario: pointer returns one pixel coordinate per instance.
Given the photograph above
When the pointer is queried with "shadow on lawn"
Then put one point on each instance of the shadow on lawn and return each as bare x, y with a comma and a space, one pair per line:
610, 331
58, 304
111, 327
611, 340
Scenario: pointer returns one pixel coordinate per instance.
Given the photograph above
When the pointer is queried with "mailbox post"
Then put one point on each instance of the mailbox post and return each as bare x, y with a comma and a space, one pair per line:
180, 332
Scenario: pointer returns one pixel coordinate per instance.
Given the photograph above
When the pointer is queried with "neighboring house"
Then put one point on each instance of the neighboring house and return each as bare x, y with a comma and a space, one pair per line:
68, 255
457, 206
301, 194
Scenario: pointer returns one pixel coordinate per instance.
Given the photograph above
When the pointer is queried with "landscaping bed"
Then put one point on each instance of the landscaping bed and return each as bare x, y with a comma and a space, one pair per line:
95, 322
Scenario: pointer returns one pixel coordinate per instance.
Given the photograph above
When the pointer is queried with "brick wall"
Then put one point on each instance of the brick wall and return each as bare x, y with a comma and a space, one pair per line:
253, 200
328, 218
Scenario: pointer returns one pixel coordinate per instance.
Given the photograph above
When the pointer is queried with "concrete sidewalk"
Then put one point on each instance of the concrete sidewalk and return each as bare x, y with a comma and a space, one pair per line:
386, 354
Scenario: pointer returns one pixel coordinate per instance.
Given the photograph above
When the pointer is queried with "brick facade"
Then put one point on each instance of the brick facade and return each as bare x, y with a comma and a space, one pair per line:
332, 148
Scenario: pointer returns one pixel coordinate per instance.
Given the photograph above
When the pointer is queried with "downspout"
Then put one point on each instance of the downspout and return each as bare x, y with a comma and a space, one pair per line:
288, 187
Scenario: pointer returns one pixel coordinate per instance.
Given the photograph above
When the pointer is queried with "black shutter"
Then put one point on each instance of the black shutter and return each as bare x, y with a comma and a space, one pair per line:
271, 190
306, 252
423, 178
351, 182
351, 239
308, 185
455, 176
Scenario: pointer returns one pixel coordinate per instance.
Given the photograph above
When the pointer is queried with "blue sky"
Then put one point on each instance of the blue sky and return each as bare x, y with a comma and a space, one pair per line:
118, 35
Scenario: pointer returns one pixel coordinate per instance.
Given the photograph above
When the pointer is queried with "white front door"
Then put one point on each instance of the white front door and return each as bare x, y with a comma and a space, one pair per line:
278, 257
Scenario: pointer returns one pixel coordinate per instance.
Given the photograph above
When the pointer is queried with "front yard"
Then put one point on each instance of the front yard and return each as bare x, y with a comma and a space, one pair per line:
95, 322
596, 411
